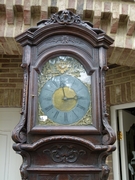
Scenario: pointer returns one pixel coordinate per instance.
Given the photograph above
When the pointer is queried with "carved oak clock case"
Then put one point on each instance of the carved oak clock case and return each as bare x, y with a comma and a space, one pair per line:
63, 133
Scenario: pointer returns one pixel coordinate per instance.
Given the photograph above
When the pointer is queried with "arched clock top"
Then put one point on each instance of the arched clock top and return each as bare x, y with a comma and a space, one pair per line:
78, 54
64, 92
65, 22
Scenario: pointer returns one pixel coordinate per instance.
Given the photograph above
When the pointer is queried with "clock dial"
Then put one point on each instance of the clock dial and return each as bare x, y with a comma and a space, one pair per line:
64, 98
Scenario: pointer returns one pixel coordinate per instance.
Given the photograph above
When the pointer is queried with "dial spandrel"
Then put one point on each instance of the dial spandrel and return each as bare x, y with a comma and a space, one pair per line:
64, 93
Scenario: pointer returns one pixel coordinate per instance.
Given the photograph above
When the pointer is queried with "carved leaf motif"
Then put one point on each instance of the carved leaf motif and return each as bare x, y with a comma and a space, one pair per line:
109, 136
65, 40
63, 153
19, 132
105, 172
64, 17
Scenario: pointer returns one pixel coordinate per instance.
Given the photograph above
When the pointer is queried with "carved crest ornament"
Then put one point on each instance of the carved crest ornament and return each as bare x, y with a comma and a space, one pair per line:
63, 131
64, 18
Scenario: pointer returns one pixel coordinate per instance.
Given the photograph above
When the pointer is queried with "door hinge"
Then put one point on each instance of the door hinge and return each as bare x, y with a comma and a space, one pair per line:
119, 135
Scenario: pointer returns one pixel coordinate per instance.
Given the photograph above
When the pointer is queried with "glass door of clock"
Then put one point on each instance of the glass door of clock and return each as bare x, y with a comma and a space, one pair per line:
64, 93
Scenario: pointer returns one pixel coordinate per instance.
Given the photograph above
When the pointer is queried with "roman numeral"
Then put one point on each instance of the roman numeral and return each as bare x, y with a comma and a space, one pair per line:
79, 90
49, 90
48, 108
81, 107
56, 114
55, 84
48, 99
81, 97
74, 113
65, 117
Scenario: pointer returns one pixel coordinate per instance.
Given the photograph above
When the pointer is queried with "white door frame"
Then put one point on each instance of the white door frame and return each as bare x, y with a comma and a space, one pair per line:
116, 163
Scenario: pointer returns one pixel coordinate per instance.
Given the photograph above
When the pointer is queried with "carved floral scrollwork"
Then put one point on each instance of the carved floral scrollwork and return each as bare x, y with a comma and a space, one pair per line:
109, 136
25, 164
19, 132
102, 160
105, 172
65, 17
64, 153
65, 40
26, 160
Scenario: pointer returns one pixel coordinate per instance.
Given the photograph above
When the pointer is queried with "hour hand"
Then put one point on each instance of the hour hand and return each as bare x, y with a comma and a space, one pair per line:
63, 91
62, 86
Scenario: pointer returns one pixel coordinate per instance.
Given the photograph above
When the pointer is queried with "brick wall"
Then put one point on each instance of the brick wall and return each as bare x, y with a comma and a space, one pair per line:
116, 18
120, 85
11, 81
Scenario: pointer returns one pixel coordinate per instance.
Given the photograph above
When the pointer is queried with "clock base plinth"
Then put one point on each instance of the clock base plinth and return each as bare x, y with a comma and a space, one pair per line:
67, 157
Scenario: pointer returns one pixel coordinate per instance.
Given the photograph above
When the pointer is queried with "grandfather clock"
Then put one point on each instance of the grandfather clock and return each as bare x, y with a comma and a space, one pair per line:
63, 133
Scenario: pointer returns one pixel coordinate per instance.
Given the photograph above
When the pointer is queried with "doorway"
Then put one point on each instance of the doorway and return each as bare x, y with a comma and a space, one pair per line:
123, 122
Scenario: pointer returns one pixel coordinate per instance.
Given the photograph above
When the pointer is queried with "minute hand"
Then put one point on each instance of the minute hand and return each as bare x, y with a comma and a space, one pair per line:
62, 86
64, 98
63, 91
75, 98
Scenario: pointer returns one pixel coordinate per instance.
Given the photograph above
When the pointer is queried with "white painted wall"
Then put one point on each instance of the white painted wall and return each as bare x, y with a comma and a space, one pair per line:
9, 161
